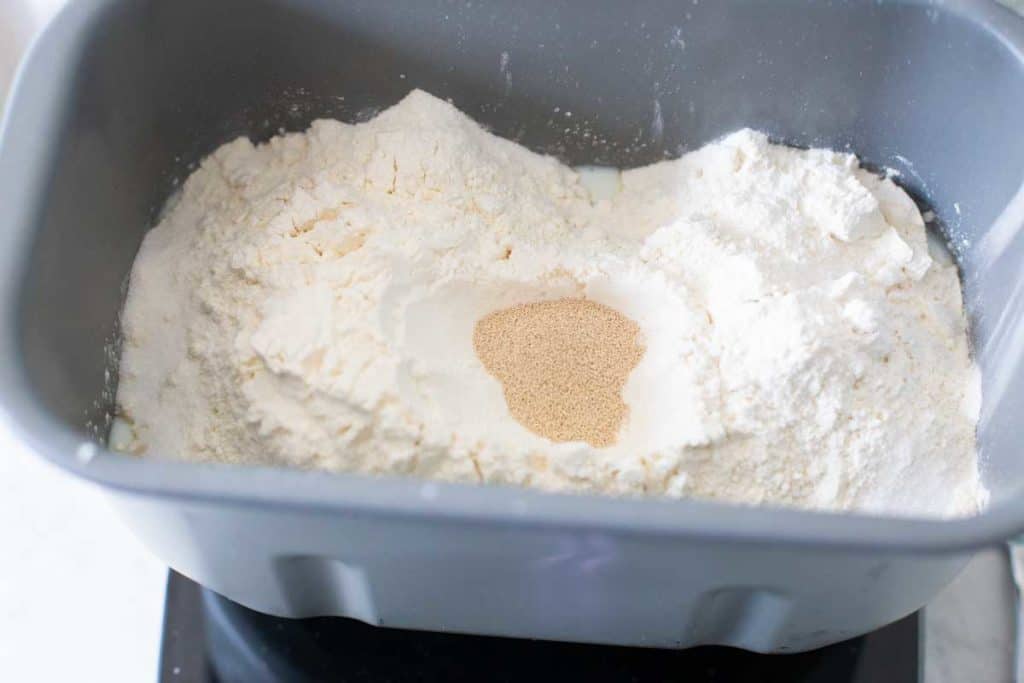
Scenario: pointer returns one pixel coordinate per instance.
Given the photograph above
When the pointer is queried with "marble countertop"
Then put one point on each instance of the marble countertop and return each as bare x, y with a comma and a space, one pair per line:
969, 629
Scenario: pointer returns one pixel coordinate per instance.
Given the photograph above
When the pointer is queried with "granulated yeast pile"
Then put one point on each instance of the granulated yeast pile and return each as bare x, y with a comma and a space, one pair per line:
562, 365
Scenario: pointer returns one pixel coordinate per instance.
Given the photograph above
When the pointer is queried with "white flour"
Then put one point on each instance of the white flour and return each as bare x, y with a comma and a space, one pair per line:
311, 302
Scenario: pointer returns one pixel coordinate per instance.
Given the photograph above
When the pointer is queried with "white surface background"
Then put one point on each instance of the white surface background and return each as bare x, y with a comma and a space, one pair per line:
80, 598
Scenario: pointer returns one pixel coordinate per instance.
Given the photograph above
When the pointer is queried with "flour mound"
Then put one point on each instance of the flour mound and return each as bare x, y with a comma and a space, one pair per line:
311, 302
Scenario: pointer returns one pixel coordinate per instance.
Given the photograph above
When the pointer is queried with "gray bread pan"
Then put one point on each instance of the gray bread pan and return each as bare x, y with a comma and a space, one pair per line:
118, 99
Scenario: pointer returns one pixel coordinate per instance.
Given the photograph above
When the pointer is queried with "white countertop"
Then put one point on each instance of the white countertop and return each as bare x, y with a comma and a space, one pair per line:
969, 628
80, 598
